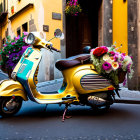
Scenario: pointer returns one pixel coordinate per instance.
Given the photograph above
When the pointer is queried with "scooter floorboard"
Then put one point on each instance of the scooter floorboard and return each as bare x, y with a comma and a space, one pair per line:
52, 92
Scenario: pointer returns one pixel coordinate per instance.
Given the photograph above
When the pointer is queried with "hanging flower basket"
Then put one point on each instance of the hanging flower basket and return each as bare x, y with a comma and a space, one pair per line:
73, 8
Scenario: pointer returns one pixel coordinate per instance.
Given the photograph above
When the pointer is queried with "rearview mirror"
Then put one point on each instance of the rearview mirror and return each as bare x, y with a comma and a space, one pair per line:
58, 34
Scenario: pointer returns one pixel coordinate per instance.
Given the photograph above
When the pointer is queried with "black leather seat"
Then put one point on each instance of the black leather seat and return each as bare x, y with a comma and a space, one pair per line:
72, 61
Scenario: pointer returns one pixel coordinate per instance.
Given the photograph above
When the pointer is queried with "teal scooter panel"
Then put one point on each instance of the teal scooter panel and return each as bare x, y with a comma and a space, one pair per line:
23, 74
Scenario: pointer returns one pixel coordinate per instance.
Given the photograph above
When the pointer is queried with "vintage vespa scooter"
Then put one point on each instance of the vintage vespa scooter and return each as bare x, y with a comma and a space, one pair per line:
81, 85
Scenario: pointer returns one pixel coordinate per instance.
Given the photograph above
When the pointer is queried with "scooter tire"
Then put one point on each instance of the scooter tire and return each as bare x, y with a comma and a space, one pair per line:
8, 112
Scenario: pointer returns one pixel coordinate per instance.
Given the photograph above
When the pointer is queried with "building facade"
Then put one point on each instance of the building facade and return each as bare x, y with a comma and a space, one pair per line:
101, 22
34, 15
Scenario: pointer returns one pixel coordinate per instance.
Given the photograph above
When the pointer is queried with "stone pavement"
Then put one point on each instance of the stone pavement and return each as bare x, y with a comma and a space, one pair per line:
3, 75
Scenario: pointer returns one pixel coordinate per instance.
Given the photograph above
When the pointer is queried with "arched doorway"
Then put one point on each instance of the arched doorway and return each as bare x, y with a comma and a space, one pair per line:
82, 30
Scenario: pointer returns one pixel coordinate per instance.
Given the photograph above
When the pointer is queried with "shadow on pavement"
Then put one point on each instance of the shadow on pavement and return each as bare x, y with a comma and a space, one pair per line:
54, 112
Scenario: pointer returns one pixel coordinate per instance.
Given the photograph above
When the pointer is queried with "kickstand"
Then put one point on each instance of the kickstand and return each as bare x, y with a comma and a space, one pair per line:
45, 107
64, 114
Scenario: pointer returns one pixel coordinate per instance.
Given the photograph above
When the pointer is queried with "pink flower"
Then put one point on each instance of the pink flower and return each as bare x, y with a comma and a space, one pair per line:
24, 38
5, 45
112, 53
106, 66
17, 38
25, 33
9, 52
122, 57
123, 54
13, 43
120, 65
92, 50
129, 67
115, 58
124, 82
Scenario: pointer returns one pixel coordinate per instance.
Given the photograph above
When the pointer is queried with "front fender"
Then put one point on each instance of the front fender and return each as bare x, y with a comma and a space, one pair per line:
11, 87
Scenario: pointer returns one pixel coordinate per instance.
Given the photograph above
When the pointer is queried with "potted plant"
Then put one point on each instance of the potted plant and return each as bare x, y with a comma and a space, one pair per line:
11, 52
73, 8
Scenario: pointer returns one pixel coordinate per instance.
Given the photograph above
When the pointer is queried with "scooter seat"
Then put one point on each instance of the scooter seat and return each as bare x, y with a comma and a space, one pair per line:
72, 61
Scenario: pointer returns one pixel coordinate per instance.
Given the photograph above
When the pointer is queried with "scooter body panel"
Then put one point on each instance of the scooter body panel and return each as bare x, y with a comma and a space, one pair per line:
12, 88
25, 70
86, 80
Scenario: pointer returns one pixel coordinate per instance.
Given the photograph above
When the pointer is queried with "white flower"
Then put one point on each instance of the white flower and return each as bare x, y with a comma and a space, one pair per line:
106, 57
115, 65
127, 60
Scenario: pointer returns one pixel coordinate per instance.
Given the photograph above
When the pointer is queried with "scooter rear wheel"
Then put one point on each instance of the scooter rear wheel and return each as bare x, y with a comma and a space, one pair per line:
9, 106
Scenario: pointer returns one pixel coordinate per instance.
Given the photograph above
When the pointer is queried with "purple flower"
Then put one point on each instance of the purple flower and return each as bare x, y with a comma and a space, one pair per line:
17, 38
120, 65
24, 48
129, 67
9, 52
13, 43
124, 82
106, 66
5, 45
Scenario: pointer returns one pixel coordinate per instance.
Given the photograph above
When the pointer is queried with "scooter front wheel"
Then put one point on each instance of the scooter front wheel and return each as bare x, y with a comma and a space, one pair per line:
10, 106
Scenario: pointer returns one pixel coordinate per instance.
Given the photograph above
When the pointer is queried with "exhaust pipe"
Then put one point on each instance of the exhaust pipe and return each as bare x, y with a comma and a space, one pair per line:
94, 100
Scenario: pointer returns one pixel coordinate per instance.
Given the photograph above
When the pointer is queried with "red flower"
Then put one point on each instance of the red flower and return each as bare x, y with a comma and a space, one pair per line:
99, 51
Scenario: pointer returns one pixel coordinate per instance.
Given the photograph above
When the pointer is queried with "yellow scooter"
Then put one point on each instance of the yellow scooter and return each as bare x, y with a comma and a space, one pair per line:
81, 85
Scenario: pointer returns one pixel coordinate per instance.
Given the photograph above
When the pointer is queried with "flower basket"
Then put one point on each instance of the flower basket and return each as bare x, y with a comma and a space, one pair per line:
121, 76
112, 64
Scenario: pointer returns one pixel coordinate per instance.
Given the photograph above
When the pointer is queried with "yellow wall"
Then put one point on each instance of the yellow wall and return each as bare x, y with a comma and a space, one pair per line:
18, 5
41, 13
120, 24
53, 6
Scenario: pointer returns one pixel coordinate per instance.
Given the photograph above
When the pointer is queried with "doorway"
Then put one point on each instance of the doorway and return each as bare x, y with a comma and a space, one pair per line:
82, 30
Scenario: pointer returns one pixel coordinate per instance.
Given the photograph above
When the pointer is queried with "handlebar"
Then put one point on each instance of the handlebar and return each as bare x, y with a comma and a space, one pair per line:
52, 48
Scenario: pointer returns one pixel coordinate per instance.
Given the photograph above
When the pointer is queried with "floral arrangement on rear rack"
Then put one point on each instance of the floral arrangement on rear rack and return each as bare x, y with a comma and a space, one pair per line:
12, 52
112, 64
73, 8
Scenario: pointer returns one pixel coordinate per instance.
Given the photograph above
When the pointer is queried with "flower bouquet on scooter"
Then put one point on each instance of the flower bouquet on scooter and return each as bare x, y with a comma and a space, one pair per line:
112, 64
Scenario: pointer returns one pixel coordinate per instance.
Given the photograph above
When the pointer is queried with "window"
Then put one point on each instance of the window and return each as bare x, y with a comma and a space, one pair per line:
18, 31
25, 27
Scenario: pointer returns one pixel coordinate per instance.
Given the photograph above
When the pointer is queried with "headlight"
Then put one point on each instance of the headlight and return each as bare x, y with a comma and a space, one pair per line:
30, 39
